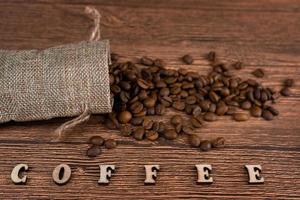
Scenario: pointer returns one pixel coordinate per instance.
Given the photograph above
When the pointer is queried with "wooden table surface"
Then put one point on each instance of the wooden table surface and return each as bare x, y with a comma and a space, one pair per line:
261, 33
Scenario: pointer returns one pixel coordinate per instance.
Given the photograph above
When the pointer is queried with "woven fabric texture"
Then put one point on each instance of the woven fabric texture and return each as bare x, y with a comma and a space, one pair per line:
55, 82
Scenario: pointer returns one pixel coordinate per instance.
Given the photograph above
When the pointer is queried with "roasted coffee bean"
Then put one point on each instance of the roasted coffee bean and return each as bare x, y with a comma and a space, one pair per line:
164, 91
190, 100
147, 123
273, 110
194, 140
93, 151
136, 107
205, 104
264, 96
152, 135
126, 130
124, 117
125, 85
110, 144
259, 73
222, 108
166, 101
246, 105
159, 63
231, 110
237, 65
288, 82
176, 119
96, 140
213, 97
209, 116
267, 115
240, 117
160, 109
143, 84
139, 133
114, 57
161, 127
151, 111
170, 134
155, 126
195, 122
149, 102
178, 128
146, 61
256, 111
110, 125
196, 111
161, 84
141, 114
142, 95
136, 121
218, 142
115, 89
187, 129
285, 92
205, 145
178, 105
188, 59
211, 56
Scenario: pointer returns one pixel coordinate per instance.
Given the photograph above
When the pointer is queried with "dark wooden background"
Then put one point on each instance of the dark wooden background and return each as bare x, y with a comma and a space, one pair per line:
261, 33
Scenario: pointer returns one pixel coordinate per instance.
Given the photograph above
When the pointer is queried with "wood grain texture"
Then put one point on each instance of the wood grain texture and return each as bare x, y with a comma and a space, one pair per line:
262, 33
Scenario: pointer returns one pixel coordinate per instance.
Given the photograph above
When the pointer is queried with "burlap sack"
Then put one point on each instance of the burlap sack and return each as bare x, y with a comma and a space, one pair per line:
56, 82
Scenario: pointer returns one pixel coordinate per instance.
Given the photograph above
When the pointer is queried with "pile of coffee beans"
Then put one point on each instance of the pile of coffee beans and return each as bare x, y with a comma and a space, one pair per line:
147, 88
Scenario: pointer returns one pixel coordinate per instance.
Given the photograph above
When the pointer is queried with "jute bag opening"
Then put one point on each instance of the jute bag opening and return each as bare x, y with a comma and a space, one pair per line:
61, 81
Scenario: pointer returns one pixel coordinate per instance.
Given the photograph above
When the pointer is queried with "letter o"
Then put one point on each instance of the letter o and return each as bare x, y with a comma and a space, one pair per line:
61, 174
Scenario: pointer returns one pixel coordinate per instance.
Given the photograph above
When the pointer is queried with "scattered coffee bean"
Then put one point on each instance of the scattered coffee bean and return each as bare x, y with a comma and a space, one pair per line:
178, 105
259, 73
110, 144
240, 117
96, 140
195, 122
149, 102
176, 119
126, 129
256, 111
146, 61
139, 133
218, 142
285, 92
210, 117
273, 110
187, 129
170, 134
136, 121
188, 59
237, 65
289, 82
205, 145
93, 151
267, 115
147, 123
178, 128
124, 117
211, 56
152, 135
194, 140
222, 108
246, 105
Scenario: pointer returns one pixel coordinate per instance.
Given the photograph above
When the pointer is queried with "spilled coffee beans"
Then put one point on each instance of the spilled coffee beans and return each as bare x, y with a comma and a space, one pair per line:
146, 89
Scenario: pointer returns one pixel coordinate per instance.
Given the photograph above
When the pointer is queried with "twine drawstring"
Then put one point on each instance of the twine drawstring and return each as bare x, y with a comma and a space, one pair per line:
93, 14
